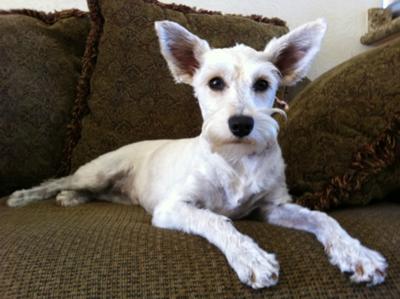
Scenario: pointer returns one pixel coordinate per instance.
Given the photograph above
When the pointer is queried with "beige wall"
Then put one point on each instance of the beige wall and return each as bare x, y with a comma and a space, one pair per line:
45, 5
347, 19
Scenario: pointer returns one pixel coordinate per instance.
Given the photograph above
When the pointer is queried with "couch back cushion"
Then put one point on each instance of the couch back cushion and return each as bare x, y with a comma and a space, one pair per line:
341, 143
132, 95
40, 63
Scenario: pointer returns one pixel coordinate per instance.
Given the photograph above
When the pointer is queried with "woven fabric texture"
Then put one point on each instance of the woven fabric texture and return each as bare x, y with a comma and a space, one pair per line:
104, 250
133, 96
341, 142
40, 63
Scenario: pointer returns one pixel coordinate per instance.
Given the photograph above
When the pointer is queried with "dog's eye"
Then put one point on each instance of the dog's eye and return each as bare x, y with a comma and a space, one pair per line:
216, 84
260, 85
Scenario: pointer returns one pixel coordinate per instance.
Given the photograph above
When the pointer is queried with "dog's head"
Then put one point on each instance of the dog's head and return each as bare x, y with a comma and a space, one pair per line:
236, 86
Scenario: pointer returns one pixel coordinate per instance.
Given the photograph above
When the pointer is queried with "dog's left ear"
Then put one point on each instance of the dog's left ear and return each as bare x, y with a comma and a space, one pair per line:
292, 53
181, 49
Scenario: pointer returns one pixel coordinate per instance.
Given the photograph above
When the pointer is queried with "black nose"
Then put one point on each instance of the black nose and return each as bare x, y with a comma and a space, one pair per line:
241, 125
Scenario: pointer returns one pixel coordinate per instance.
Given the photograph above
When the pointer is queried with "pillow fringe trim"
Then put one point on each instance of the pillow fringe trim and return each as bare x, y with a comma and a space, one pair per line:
369, 160
80, 106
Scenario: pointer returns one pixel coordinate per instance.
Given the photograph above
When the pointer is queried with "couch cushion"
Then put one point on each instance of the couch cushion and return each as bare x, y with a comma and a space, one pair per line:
112, 251
132, 95
40, 63
341, 143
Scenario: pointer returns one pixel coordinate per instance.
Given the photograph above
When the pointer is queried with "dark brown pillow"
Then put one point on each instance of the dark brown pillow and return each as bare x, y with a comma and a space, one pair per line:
341, 143
40, 63
133, 96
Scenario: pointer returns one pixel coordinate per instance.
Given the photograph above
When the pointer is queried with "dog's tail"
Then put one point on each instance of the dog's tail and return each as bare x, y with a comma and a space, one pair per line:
44, 191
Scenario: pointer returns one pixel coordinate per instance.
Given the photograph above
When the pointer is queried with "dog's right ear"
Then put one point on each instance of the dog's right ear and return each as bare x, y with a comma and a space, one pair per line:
181, 49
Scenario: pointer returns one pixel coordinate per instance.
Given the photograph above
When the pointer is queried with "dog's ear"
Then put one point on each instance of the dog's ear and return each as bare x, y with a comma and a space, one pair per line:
292, 53
181, 49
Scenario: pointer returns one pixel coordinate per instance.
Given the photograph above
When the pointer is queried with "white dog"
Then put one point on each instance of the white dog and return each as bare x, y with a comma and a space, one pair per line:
233, 168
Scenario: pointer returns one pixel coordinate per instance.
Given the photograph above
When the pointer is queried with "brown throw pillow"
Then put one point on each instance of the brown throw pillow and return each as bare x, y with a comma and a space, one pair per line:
341, 143
40, 64
133, 96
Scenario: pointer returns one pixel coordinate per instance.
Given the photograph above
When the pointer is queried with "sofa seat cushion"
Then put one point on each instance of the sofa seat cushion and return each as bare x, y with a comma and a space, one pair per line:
112, 251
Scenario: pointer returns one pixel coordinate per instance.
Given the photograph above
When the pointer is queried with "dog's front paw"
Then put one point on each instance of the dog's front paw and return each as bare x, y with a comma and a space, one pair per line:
367, 265
254, 267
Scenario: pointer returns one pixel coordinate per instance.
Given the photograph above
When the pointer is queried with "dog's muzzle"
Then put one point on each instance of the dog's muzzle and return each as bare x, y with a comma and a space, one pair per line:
241, 125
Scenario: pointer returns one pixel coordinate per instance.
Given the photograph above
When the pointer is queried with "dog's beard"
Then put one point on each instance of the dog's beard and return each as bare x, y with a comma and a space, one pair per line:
222, 141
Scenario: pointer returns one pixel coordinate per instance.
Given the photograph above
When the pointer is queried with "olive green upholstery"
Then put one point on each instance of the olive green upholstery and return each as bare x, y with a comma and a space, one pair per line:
40, 64
104, 250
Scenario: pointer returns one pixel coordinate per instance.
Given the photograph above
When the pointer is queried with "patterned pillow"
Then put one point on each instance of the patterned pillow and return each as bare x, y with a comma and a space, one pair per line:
132, 94
40, 64
341, 143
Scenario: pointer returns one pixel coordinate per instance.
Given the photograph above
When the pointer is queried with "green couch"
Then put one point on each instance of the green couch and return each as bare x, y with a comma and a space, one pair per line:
104, 250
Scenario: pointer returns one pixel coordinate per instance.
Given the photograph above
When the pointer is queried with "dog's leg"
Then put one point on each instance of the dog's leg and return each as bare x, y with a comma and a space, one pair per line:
113, 197
70, 198
253, 265
93, 178
344, 251
46, 190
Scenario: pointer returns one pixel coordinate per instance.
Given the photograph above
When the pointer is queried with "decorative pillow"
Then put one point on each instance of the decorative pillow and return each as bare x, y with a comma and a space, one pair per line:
132, 94
341, 143
40, 64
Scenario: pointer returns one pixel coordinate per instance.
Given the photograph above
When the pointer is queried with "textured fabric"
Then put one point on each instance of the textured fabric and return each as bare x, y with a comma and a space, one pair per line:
381, 33
341, 142
39, 67
133, 96
103, 250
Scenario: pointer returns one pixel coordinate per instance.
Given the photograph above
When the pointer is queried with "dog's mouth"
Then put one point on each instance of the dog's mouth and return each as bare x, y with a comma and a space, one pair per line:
232, 143
233, 140
240, 142
244, 141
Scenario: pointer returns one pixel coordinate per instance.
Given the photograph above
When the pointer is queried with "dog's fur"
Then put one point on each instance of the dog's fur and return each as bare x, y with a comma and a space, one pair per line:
197, 185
